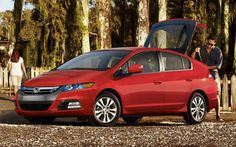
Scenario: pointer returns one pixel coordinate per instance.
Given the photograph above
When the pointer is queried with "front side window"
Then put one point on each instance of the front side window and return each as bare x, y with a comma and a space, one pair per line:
147, 59
97, 60
174, 62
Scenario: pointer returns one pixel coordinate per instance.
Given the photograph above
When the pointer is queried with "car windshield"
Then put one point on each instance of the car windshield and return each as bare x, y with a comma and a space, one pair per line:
170, 36
97, 60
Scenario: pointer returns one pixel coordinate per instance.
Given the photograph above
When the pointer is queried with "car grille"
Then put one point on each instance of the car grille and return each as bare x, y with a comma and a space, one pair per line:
36, 106
39, 90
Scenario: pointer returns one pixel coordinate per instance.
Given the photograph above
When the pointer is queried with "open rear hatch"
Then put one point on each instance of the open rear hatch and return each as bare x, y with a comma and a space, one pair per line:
173, 34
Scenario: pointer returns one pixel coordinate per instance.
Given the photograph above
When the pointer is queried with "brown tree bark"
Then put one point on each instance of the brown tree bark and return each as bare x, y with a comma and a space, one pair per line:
17, 13
225, 25
143, 22
85, 26
104, 17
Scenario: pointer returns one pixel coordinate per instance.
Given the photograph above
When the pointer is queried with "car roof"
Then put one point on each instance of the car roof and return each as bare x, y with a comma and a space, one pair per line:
137, 49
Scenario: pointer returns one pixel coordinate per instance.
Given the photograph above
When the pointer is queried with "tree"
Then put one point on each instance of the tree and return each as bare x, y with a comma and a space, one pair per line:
104, 17
234, 60
73, 26
7, 25
225, 24
162, 14
143, 22
52, 32
85, 26
17, 13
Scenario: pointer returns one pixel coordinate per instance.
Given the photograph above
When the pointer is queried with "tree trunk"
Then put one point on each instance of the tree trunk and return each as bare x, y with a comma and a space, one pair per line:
202, 17
73, 42
85, 26
104, 17
219, 20
143, 22
234, 62
162, 14
225, 34
17, 13
189, 11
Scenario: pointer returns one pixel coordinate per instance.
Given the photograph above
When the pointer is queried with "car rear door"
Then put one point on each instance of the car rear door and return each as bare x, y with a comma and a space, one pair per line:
178, 80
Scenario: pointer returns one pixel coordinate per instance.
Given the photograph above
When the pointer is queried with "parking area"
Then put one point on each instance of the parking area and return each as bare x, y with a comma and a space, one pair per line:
151, 131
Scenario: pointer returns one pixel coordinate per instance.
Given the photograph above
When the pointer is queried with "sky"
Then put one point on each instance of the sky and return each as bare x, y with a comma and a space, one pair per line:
6, 5
9, 4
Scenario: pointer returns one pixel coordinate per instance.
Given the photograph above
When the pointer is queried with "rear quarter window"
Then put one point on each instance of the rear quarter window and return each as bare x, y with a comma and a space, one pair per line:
173, 62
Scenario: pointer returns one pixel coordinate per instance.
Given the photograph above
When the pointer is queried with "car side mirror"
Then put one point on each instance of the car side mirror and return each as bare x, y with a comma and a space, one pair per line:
135, 68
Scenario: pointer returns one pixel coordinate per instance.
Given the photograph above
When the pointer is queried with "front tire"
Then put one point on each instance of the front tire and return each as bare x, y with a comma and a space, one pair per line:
106, 110
197, 109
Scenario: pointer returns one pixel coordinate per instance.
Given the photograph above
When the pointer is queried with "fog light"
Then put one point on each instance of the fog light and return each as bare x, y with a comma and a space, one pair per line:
73, 105
69, 104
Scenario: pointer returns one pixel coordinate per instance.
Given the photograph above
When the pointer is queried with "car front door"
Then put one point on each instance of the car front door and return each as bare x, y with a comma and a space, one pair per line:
143, 92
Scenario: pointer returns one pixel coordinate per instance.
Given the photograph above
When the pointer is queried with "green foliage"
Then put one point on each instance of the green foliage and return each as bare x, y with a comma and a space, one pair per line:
124, 23
51, 32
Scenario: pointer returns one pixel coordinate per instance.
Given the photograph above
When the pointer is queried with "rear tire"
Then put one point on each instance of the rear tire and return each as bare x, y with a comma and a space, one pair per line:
106, 110
132, 119
197, 109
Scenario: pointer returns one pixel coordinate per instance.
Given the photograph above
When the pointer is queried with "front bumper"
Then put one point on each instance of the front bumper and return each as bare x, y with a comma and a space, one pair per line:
55, 104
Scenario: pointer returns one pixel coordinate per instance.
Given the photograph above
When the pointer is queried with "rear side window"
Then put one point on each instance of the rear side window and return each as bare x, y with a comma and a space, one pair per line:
187, 63
174, 62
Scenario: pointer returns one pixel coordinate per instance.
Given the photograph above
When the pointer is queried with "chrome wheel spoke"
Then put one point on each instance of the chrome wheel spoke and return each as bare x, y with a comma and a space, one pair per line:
197, 115
108, 101
201, 103
107, 118
194, 102
99, 115
104, 118
193, 109
102, 103
112, 113
111, 103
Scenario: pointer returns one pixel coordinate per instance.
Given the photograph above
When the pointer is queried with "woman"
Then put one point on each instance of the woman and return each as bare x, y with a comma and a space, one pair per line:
17, 68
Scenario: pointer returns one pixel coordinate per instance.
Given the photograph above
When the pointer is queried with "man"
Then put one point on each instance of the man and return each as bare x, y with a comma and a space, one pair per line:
213, 58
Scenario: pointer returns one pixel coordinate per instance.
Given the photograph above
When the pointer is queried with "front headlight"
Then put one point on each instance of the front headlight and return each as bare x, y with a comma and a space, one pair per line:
76, 86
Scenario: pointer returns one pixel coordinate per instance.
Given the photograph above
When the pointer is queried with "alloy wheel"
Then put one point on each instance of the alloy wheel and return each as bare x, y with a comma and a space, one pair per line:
198, 108
105, 110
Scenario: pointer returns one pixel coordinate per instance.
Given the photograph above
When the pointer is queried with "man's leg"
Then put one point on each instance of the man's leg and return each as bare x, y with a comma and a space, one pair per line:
218, 82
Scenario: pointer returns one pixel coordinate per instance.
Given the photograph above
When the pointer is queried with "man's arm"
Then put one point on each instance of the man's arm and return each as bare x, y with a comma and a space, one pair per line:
219, 60
212, 67
197, 50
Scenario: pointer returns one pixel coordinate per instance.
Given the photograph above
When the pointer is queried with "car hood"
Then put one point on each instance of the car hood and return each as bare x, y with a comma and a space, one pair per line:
64, 77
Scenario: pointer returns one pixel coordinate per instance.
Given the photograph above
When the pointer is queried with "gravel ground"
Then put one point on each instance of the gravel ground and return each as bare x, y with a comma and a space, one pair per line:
146, 134
151, 131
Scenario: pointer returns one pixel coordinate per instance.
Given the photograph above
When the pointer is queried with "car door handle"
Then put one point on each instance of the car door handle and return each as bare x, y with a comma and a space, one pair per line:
157, 82
188, 80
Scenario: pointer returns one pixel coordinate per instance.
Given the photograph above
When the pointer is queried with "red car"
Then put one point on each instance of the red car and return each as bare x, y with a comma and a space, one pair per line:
130, 83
